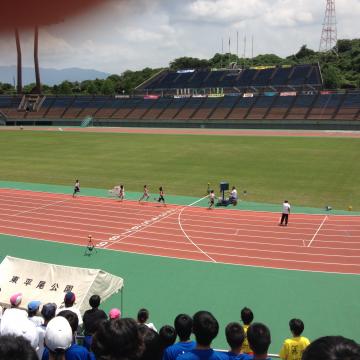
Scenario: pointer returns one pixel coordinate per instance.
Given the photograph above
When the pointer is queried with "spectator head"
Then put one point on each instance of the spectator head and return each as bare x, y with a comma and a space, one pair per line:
247, 316
167, 335
117, 339
94, 301
69, 299
205, 328
33, 307
19, 325
332, 348
143, 316
296, 327
72, 318
259, 338
16, 347
15, 300
183, 326
48, 311
114, 314
58, 335
152, 343
234, 335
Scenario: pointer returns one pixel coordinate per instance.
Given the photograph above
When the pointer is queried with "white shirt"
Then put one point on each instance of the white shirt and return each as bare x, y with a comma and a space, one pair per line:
234, 194
74, 310
286, 208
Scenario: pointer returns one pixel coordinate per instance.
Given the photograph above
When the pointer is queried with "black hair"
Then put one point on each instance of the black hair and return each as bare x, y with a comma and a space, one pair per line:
94, 301
152, 343
71, 317
296, 326
205, 327
160, 188
235, 335
167, 335
247, 316
332, 348
16, 348
259, 338
118, 339
143, 315
183, 326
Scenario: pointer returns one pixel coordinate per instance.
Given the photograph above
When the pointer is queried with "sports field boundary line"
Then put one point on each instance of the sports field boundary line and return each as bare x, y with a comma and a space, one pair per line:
41, 207
317, 231
186, 235
194, 260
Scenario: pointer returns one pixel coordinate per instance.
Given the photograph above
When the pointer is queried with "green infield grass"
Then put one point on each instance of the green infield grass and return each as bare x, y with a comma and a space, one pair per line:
306, 171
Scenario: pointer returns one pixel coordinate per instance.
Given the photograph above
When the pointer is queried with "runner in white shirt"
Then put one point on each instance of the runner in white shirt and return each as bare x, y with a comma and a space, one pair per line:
285, 213
121, 193
211, 199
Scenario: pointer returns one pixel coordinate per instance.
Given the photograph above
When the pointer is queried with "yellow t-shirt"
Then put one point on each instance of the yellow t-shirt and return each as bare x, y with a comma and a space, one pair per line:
293, 348
245, 346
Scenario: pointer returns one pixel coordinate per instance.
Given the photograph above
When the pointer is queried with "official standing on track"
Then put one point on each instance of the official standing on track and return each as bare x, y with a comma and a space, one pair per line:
285, 213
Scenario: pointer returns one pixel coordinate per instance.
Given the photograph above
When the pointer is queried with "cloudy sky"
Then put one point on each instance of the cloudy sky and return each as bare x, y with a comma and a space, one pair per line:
138, 33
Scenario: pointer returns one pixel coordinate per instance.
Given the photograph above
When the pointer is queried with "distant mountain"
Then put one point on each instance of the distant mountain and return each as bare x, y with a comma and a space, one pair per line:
50, 76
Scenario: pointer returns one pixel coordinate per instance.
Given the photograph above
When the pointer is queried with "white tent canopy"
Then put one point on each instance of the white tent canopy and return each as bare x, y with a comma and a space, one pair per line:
49, 282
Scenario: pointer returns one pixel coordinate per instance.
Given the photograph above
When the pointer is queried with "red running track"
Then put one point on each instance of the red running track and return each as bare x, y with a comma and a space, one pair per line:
310, 242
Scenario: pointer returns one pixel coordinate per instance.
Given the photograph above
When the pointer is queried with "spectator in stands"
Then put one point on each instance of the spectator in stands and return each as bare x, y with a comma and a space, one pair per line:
15, 322
247, 318
183, 327
117, 340
167, 336
16, 348
92, 318
285, 213
332, 348
235, 336
33, 308
293, 348
114, 314
143, 317
69, 302
153, 348
48, 312
205, 329
259, 340
58, 338
75, 351
15, 300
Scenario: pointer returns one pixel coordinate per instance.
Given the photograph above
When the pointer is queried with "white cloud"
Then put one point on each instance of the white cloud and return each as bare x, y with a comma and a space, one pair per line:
140, 33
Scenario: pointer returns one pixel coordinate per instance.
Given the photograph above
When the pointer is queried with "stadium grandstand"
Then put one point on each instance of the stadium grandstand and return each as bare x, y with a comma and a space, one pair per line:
288, 96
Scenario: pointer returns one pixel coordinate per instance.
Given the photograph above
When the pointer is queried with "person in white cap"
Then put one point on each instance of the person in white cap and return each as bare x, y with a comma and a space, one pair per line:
19, 325
58, 337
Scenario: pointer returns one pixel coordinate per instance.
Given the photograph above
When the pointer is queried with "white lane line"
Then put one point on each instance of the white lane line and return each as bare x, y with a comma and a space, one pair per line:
186, 235
321, 225
41, 207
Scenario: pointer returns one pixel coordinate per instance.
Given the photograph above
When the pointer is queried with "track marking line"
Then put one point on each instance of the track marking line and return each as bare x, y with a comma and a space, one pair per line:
317, 231
187, 236
41, 207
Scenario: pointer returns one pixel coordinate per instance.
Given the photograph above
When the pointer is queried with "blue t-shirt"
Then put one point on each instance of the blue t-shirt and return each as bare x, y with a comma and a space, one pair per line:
209, 354
173, 351
75, 352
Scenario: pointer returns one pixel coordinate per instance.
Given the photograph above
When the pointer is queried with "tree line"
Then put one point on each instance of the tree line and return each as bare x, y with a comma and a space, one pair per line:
340, 69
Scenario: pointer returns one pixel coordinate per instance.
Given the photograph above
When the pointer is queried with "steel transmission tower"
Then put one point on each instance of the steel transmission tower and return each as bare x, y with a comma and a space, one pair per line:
328, 41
